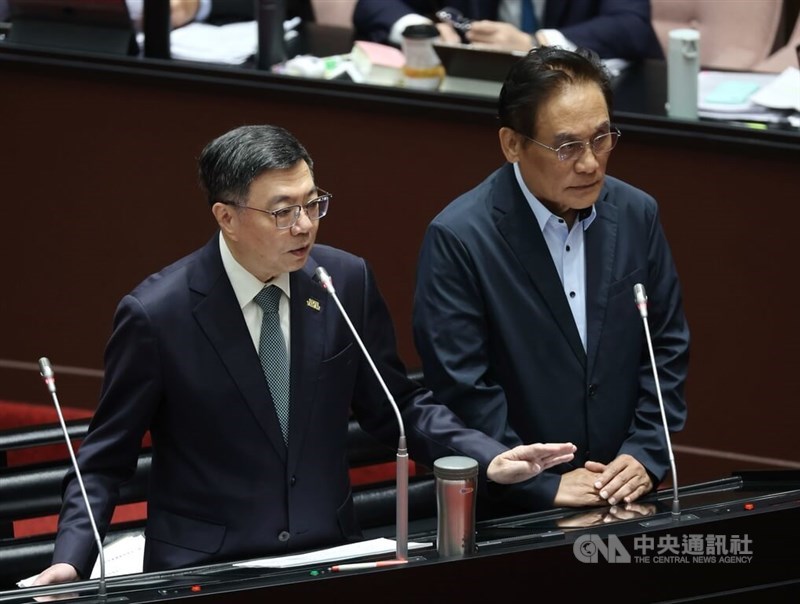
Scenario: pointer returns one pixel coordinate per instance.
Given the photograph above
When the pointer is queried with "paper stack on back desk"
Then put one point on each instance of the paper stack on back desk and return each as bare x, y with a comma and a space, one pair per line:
375, 63
743, 96
781, 93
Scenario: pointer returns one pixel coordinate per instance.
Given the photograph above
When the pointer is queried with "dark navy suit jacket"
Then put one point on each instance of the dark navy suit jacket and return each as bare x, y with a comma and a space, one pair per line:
499, 344
613, 28
223, 485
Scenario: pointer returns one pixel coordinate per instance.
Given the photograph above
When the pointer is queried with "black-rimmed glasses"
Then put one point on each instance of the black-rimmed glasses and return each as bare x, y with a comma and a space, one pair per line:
599, 145
287, 217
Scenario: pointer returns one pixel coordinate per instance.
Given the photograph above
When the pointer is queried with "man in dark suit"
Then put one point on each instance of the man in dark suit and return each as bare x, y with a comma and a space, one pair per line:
524, 313
613, 28
188, 360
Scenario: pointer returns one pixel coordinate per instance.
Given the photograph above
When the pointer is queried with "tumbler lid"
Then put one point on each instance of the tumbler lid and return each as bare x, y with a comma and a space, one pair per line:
455, 467
420, 31
686, 34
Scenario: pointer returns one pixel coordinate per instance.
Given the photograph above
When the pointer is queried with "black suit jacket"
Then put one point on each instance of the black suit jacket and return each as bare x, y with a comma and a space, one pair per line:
223, 485
499, 344
612, 28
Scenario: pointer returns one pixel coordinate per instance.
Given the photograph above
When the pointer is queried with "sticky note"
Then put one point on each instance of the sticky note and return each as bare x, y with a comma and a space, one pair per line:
731, 92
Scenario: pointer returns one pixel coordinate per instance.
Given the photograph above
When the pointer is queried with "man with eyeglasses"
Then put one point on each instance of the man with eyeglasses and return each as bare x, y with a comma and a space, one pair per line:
524, 313
245, 374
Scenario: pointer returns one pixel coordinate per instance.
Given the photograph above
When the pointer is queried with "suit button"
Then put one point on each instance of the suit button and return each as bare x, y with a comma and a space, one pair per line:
293, 480
284, 536
592, 389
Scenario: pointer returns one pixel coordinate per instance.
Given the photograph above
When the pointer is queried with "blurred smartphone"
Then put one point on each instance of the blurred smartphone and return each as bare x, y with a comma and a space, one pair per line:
456, 20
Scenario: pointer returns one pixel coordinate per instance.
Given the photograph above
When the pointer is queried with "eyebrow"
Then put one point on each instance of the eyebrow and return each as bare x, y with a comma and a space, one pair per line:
568, 137
310, 194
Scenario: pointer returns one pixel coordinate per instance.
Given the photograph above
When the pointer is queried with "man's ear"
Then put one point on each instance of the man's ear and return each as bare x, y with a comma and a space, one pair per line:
225, 216
510, 143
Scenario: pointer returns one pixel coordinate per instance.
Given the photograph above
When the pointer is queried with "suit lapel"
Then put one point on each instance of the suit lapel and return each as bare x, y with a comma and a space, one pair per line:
219, 316
517, 224
600, 241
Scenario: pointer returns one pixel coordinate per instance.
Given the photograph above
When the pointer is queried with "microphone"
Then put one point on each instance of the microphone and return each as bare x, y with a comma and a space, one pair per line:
46, 371
322, 277
640, 297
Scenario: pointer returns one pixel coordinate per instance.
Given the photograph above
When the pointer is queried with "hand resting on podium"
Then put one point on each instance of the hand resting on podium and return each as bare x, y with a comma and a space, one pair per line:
623, 480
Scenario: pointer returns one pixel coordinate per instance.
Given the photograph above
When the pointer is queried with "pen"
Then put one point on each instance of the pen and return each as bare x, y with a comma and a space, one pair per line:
363, 565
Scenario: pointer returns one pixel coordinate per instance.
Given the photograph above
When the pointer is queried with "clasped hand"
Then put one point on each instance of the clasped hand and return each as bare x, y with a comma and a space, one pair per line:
623, 480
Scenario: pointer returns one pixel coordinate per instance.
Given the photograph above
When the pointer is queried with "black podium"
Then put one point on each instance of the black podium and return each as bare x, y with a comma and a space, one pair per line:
735, 541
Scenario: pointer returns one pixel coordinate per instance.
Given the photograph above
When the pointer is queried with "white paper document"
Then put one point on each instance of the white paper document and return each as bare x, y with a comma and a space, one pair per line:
124, 556
781, 93
230, 44
710, 83
333, 554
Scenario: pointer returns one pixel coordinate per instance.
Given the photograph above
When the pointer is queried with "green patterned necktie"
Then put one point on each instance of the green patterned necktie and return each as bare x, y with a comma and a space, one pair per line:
272, 352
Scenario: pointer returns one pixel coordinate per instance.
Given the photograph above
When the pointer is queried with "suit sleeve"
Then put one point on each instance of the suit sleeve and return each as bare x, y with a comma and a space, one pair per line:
109, 453
620, 29
670, 334
452, 338
373, 19
432, 429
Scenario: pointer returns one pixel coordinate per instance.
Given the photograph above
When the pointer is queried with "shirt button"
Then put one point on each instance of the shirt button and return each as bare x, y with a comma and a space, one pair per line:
284, 536
568, 248
293, 480
571, 294
592, 389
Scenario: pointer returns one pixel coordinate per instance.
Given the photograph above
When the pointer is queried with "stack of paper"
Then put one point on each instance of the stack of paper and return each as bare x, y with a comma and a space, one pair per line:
781, 93
748, 96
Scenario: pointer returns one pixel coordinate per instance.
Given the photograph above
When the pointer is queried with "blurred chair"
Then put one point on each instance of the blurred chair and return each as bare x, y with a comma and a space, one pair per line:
338, 13
785, 56
734, 34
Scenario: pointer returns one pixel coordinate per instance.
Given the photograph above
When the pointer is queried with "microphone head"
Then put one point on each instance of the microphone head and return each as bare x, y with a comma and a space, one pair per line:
45, 368
322, 277
641, 299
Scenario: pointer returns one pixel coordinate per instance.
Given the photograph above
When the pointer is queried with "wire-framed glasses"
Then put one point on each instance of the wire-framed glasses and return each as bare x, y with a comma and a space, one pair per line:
287, 217
600, 145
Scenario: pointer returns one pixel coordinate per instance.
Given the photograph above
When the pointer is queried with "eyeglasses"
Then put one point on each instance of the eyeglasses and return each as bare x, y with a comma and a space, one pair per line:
600, 145
287, 217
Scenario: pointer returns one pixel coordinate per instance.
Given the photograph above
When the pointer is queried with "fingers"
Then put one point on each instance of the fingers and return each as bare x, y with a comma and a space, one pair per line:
624, 479
499, 35
447, 33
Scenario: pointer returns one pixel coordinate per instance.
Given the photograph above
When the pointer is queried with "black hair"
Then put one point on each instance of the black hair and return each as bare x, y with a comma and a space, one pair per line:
229, 164
545, 70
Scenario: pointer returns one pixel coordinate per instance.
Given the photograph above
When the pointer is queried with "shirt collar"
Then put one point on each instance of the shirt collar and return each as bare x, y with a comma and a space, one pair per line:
585, 216
245, 284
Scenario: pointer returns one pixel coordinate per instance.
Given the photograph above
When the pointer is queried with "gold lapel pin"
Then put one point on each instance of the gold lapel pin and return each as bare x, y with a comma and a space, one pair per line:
312, 303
